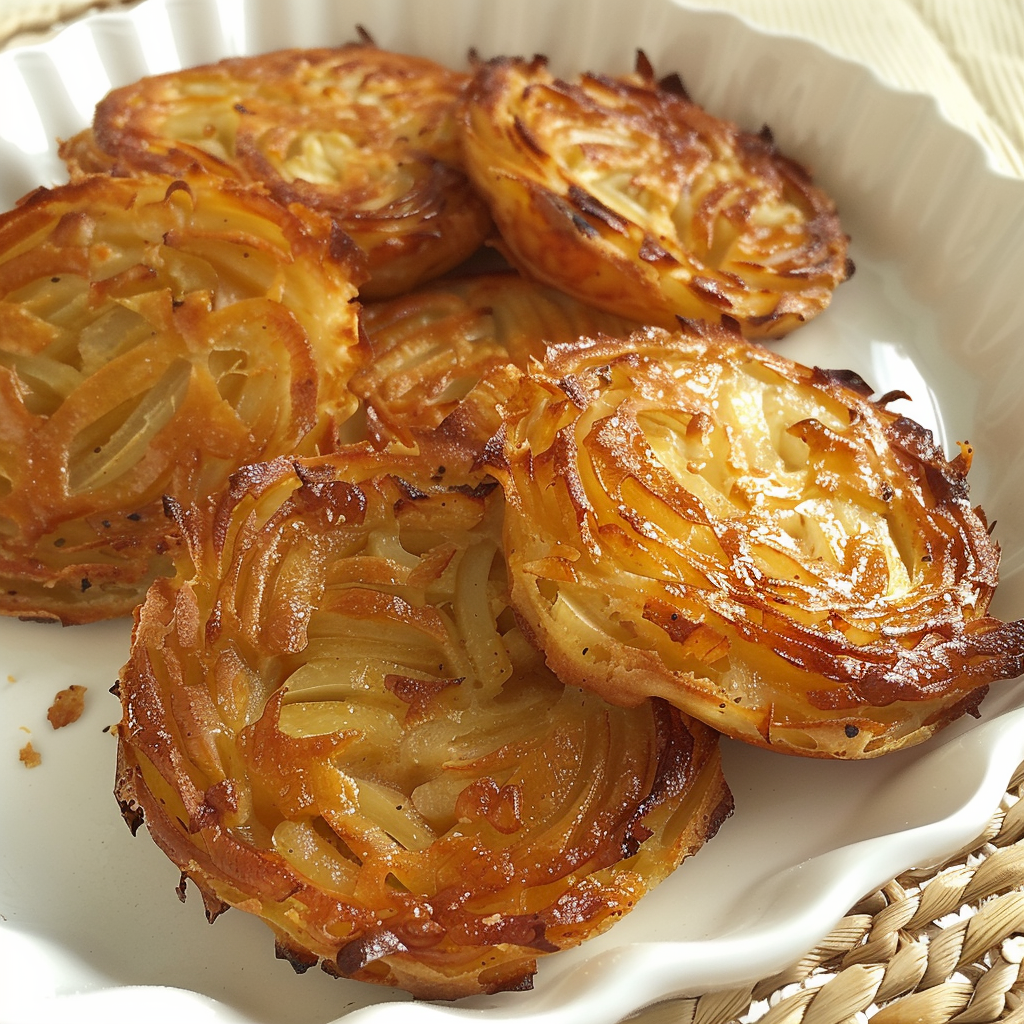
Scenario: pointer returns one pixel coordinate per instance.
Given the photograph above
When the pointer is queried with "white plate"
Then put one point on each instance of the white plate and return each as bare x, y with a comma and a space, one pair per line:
90, 928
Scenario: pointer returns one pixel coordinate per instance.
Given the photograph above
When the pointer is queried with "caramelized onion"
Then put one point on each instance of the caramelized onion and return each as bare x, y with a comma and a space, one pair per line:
154, 336
755, 541
332, 720
624, 193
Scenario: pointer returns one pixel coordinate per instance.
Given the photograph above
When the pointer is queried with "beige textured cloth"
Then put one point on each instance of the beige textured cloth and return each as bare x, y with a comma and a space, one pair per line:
968, 54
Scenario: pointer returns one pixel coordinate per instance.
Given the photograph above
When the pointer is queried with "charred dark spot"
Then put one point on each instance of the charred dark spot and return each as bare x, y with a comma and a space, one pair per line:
642, 66
132, 814
592, 206
356, 955
892, 396
343, 249
479, 491
134, 516
410, 491
300, 959
493, 453
719, 814
673, 85
634, 838
709, 290
213, 906
524, 983
527, 137
557, 211
177, 186
86, 583
652, 252
844, 378
851, 731
574, 390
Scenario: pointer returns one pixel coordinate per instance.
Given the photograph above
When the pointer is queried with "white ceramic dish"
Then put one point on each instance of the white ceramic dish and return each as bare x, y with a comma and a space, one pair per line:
90, 928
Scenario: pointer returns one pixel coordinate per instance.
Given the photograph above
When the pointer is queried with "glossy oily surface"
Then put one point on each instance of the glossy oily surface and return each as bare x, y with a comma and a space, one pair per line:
753, 540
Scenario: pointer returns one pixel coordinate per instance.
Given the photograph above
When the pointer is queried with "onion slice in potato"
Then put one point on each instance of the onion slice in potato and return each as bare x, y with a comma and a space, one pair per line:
155, 334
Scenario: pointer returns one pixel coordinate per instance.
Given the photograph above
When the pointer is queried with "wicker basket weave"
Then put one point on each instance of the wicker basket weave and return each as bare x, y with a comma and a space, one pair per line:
930, 947
945, 944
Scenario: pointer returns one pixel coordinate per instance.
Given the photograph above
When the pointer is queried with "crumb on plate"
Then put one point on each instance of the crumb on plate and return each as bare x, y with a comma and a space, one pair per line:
67, 706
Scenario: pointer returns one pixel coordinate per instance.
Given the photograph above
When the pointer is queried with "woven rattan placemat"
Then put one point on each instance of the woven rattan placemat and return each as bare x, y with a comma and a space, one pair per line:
930, 947
933, 946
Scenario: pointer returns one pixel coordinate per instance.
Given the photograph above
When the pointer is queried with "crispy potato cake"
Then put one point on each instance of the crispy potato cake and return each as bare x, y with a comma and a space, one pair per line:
367, 135
154, 336
760, 543
624, 193
432, 348
332, 721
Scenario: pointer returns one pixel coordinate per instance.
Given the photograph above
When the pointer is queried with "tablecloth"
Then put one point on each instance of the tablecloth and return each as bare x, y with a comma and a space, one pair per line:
945, 944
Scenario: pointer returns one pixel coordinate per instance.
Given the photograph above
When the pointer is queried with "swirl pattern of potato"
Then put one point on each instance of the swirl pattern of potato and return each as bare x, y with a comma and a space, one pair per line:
624, 193
432, 350
332, 721
366, 135
154, 336
693, 516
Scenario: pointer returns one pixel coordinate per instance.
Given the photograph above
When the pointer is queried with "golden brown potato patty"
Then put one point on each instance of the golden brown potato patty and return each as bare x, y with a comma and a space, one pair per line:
332, 721
626, 194
693, 516
364, 134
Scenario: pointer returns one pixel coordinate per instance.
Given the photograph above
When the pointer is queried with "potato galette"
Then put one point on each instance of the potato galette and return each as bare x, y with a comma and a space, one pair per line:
693, 516
332, 721
364, 134
426, 382
155, 334
623, 192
